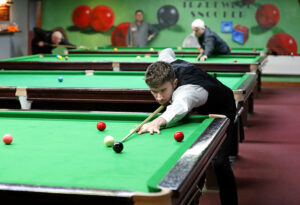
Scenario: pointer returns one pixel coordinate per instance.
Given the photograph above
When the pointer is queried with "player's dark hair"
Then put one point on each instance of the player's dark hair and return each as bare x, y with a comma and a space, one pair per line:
158, 73
139, 11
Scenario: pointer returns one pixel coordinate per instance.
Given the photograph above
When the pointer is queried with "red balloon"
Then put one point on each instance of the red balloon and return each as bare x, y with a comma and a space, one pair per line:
119, 34
103, 18
283, 44
81, 16
267, 16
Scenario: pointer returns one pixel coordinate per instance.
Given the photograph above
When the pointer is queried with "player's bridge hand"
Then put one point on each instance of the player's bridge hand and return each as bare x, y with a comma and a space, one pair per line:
202, 58
149, 127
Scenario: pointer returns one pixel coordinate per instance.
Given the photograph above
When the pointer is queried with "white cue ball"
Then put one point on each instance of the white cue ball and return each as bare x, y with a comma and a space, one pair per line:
109, 141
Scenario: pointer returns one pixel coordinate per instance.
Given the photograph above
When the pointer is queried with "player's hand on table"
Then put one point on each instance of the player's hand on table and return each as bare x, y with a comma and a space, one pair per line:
79, 47
201, 52
203, 58
149, 127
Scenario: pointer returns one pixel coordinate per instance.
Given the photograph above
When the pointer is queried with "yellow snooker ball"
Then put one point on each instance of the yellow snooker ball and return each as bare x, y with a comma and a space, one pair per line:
115, 49
59, 57
151, 49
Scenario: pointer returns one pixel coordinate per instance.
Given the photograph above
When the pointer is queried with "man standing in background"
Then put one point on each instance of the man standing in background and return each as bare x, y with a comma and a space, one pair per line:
140, 32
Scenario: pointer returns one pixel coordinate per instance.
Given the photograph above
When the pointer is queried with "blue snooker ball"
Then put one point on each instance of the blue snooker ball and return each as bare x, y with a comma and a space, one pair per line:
60, 79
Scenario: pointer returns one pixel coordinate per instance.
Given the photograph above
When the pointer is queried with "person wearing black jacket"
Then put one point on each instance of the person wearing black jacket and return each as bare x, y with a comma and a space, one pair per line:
45, 41
184, 87
211, 44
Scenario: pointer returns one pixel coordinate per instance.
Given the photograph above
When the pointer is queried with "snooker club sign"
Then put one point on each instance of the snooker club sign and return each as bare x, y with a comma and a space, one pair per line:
216, 9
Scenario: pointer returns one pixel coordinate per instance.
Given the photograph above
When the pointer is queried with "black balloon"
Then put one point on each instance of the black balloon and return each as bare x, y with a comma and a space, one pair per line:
167, 16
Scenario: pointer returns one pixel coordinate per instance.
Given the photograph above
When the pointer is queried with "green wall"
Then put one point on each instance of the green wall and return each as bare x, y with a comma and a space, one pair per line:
59, 12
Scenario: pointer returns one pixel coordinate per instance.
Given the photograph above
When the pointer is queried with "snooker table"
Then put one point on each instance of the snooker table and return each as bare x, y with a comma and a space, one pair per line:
155, 50
129, 62
103, 87
60, 157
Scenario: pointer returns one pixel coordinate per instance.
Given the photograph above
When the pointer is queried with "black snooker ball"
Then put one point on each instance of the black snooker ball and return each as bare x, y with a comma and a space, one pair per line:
118, 147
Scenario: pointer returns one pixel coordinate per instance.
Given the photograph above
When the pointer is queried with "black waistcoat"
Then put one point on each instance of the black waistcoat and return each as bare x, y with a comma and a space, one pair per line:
220, 97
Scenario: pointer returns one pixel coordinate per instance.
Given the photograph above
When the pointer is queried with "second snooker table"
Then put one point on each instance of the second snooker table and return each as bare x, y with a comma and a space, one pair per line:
104, 87
132, 62
60, 157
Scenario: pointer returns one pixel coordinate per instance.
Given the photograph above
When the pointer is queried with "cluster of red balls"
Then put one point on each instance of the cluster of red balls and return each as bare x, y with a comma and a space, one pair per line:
101, 18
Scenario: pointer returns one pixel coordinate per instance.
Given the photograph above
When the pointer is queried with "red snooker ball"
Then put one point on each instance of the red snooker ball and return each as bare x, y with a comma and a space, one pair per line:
7, 139
234, 60
178, 136
101, 126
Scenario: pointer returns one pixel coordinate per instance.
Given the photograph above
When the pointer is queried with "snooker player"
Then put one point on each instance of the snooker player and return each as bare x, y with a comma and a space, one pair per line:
211, 44
45, 41
185, 87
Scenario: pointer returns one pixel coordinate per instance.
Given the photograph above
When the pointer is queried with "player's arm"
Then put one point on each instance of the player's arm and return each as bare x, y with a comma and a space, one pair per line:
209, 46
65, 42
39, 37
185, 98
153, 31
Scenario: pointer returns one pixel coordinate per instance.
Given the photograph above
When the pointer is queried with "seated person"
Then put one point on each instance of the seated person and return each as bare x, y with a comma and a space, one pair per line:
209, 41
45, 41
185, 87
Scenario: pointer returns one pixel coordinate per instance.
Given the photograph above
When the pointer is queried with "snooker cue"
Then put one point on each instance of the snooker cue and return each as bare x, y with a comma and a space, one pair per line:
57, 45
146, 120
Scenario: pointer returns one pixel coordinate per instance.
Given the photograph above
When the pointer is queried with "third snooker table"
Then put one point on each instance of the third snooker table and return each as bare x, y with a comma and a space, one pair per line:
131, 62
60, 157
155, 50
